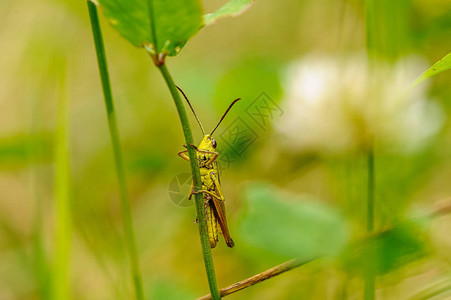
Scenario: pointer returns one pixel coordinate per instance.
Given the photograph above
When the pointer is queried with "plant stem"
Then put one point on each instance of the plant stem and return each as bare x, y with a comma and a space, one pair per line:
373, 48
206, 250
60, 278
120, 170
41, 266
197, 183
370, 190
369, 284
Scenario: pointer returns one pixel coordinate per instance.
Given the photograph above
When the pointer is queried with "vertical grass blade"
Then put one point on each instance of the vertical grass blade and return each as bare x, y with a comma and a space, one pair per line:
370, 280
370, 190
373, 44
60, 276
41, 264
120, 171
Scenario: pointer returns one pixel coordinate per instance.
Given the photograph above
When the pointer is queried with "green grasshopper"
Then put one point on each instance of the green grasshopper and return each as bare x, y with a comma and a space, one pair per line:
211, 185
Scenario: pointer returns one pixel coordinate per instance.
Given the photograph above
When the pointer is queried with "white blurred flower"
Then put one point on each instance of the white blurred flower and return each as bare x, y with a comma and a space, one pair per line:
336, 105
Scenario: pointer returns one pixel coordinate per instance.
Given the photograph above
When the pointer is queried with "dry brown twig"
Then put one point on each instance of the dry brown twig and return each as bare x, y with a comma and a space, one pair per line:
279, 269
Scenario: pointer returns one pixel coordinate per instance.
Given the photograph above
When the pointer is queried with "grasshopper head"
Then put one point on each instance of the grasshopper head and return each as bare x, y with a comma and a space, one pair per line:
208, 143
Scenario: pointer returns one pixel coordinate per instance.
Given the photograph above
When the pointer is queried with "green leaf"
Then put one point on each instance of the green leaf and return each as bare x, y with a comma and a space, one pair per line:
296, 228
440, 66
173, 22
231, 8
386, 251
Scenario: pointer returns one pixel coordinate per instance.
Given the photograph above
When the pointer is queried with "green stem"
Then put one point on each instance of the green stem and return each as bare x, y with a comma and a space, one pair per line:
120, 171
60, 278
370, 191
41, 266
371, 38
370, 284
206, 250
372, 47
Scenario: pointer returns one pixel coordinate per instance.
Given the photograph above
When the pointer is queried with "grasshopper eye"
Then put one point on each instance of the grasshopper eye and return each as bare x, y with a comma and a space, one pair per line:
213, 143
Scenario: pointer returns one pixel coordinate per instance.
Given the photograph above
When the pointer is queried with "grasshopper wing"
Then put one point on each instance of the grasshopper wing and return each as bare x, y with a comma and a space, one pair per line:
220, 210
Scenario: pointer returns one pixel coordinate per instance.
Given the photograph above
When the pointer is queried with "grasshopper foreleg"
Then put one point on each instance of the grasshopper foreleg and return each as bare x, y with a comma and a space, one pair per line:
186, 157
182, 152
183, 155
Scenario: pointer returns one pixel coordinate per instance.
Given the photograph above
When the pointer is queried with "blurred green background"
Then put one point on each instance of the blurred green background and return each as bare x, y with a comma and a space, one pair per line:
297, 189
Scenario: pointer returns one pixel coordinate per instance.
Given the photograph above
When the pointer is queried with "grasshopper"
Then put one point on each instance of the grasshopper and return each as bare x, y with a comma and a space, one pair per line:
211, 185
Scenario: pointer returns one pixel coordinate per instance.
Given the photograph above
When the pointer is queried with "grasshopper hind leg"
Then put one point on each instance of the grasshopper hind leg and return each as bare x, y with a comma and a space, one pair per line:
212, 225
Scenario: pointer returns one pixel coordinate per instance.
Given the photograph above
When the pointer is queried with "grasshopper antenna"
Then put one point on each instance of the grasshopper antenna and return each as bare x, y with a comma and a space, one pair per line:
192, 109
222, 118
